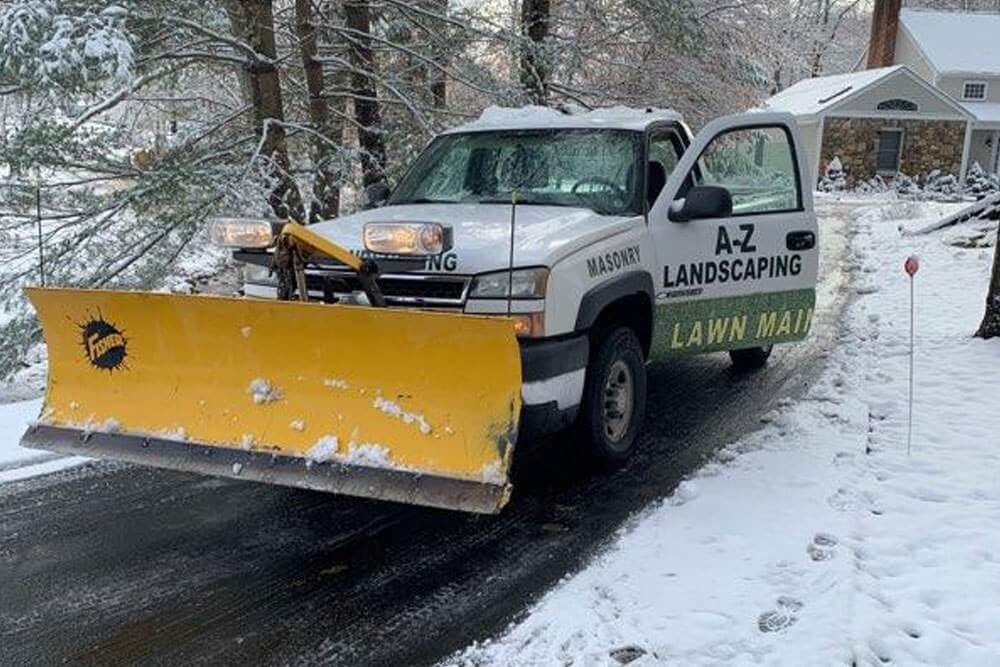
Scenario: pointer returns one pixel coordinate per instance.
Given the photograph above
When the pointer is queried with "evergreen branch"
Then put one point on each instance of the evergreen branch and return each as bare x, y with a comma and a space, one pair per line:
123, 94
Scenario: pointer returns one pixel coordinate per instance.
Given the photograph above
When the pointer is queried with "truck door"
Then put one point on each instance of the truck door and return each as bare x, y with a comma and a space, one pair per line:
735, 238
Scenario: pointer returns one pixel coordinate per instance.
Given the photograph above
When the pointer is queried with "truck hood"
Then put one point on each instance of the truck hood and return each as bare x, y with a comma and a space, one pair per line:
543, 234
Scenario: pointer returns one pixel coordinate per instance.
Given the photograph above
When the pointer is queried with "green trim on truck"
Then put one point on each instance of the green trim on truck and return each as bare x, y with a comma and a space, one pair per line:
732, 323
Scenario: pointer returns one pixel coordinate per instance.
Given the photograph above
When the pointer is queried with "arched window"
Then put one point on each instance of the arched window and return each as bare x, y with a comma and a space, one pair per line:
897, 104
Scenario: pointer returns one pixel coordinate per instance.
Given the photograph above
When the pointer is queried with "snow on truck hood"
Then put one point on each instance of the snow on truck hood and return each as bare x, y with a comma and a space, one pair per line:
543, 234
535, 118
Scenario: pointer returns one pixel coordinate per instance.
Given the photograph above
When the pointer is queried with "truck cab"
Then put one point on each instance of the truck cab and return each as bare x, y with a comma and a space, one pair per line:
610, 238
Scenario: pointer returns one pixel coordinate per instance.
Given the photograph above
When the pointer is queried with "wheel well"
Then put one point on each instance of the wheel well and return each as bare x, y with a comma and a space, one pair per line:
634, 311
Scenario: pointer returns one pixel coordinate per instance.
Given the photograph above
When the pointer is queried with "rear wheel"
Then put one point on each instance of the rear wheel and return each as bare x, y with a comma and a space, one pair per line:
614, 397
751, 358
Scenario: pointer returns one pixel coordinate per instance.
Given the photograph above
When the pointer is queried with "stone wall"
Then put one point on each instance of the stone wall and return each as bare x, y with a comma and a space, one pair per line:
927, 145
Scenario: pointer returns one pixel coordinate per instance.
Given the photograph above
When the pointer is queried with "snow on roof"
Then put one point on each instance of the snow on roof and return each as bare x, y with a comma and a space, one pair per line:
535, 117
985, 112
811, 96
956, 41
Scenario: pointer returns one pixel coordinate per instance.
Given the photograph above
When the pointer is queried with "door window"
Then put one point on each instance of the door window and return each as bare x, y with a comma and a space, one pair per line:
890, 144
665, 150
757, 165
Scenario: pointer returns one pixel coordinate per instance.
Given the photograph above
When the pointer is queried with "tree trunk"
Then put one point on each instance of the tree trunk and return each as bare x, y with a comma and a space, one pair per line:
535, 18
238, 26
367, 111
990, 328
776, 80
269, 114
819, 42
439, 54
326, 183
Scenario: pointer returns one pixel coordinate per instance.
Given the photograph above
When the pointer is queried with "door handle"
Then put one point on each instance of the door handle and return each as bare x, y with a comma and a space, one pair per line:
800, 240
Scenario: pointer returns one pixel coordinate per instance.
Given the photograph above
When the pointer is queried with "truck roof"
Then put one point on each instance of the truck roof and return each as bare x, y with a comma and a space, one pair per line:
535, 117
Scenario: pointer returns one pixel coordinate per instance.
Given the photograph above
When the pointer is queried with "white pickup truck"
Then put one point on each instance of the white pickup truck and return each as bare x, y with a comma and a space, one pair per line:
630, 241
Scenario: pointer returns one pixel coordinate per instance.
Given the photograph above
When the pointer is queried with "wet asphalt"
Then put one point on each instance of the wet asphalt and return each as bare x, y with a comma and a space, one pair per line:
110, 564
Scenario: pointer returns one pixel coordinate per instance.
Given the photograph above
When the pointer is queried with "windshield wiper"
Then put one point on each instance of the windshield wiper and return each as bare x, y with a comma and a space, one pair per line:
502, 200
534, 202
526, 202
426, 200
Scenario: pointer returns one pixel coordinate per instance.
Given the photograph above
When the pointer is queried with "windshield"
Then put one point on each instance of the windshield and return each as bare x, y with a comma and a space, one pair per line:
593, 169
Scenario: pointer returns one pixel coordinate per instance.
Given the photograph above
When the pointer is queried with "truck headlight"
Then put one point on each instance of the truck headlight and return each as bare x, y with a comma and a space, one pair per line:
395, 238
241, 232
522, 284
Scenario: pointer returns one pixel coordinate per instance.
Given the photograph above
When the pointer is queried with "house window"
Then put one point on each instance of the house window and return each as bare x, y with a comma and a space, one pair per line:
974, 90
897, 105
890, 149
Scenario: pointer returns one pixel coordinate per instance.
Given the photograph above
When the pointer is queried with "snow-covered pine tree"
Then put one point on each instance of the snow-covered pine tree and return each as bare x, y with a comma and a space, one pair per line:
979, 184
126, 115
834, 177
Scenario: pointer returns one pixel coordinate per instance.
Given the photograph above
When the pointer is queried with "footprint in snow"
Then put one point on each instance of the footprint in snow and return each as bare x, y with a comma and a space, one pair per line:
778, 619
843, 500
823, 547
627, 654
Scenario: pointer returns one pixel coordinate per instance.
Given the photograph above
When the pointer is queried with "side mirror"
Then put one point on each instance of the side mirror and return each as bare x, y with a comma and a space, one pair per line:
702, 202
376, 195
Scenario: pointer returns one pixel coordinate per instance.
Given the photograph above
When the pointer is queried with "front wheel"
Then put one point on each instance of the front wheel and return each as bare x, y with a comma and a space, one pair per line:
751, 358
614, 398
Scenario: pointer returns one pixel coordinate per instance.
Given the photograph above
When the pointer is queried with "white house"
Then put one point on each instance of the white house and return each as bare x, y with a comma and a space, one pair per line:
930, 98
959, 54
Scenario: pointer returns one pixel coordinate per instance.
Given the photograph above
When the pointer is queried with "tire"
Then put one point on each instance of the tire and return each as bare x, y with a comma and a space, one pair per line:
751, 358
614, 398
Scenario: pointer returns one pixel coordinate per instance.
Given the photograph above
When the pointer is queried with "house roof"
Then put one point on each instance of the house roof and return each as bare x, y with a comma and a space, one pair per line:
956, 41
985, 112
810, 97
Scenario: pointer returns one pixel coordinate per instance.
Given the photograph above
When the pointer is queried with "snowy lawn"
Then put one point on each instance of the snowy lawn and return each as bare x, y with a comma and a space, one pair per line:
818, 540
17, 462
14, 418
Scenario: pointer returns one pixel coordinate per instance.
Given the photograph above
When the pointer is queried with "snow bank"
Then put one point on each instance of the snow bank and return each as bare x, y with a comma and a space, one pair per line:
16, 462
14, 419
818, 540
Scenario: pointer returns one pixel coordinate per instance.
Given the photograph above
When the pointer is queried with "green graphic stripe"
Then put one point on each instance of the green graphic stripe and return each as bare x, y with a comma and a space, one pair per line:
713, 325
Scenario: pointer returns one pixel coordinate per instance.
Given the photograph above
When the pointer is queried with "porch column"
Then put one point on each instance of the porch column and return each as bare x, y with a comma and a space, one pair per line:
993, 154
965, 153
820, 127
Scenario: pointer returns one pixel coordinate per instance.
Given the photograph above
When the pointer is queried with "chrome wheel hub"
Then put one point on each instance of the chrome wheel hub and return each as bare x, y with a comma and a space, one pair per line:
618, 393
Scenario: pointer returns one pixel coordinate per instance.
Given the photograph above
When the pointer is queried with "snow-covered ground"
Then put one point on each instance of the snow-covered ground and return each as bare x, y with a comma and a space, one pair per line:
15, 461
819, 540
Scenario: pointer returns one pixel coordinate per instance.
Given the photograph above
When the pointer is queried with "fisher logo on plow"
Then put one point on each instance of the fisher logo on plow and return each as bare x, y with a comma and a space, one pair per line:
105, 345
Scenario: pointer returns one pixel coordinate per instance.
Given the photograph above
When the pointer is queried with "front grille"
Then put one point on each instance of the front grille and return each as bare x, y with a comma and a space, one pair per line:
413, 289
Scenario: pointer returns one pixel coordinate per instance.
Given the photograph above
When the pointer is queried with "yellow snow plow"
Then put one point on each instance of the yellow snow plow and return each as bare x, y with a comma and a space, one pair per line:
404, 405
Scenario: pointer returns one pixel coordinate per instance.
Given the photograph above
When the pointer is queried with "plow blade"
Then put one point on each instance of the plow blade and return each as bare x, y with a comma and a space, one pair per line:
409, 406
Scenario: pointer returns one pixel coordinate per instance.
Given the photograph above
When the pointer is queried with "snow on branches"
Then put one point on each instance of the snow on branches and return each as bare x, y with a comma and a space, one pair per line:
44, 46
